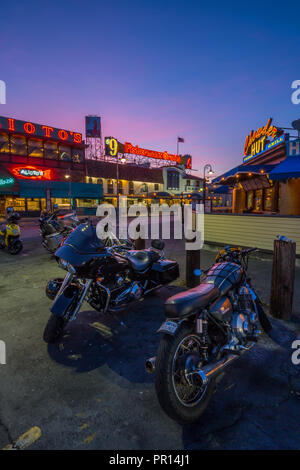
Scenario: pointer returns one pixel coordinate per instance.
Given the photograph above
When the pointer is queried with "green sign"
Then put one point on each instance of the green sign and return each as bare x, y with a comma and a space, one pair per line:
6, 181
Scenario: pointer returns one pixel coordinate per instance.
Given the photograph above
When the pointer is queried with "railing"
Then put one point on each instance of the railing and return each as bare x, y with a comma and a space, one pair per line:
250, 230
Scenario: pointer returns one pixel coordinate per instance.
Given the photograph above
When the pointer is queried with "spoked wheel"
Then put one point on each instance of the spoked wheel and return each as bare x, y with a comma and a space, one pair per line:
182, 394
15, 247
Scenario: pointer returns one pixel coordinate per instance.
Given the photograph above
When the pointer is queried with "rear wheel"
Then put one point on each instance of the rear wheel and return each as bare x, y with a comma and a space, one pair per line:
54, 329
182, 399
15, 247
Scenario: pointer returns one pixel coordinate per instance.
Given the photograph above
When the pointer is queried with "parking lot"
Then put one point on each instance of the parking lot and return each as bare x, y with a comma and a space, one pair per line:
91, 391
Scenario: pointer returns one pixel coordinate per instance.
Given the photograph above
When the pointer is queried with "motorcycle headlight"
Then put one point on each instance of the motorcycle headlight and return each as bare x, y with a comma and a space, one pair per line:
66, 266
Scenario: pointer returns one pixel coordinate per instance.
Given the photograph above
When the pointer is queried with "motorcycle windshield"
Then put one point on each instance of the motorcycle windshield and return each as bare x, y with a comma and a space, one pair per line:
81, 245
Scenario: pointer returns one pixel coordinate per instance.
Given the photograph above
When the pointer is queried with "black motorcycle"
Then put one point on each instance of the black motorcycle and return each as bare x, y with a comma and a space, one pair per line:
207, 328
108, 278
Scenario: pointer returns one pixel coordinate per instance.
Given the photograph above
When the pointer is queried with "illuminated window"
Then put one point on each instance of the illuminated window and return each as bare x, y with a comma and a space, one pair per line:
99, 181
51, 150
64, 152
4, 143
35, 148
33, 204
131, 187
156, 187
120, 187
18, 145
77, 155
110, 187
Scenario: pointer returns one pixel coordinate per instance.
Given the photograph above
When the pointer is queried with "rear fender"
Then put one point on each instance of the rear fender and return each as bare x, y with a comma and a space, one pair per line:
169, 327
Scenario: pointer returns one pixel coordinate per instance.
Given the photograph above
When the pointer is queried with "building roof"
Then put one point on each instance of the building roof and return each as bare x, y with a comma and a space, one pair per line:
192, 177
228, 177
100, 169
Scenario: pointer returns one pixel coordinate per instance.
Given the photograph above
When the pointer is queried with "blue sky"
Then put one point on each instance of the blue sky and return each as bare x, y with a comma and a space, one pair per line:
154, 70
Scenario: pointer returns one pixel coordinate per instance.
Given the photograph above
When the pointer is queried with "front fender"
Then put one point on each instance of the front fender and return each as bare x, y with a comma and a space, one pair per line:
64, 301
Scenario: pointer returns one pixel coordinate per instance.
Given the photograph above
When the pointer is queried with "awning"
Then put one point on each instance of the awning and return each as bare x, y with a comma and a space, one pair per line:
288, 168
243, 172
60, 189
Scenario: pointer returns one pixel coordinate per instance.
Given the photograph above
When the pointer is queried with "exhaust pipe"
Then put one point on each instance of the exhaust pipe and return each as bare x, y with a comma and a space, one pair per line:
150, 365
211, 371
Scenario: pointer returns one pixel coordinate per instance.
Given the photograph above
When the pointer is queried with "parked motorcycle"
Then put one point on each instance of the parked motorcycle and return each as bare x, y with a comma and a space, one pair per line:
207, 328
10, 233
108, 278
53, 229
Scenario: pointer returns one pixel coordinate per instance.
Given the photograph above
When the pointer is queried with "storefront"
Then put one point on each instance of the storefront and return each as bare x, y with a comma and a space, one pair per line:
267, 182
40, 166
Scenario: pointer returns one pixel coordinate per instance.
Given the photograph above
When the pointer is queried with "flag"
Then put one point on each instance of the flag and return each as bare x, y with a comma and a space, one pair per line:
180, 139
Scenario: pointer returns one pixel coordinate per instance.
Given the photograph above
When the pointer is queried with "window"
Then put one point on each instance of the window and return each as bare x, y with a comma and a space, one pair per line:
77, 155
197, 184
156, 187
110, 187
173, 180
99, 181
35, 148
33, 204
90, 180
188, 182
51, 150
18, 145
131, 187
120, 187
64, 152
268, 199
4, 143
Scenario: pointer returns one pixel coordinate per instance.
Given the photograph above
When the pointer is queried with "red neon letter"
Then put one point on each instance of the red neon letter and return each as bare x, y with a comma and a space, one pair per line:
48, 130
77, 138
63, 135
11, 124
29, 128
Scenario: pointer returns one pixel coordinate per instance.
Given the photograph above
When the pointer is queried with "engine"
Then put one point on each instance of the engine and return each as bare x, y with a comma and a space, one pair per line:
244, 323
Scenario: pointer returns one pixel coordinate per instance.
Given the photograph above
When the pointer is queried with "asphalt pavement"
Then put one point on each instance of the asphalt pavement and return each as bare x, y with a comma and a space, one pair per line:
91, 391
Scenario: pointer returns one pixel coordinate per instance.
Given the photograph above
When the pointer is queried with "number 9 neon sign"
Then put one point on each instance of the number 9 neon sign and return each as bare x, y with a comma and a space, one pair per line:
112, 146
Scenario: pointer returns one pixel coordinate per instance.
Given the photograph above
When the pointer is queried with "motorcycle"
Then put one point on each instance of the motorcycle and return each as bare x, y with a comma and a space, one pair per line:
206, 329
10, 235
109, 278
53, 229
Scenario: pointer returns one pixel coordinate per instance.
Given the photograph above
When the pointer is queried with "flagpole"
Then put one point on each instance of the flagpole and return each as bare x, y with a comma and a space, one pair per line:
177, 146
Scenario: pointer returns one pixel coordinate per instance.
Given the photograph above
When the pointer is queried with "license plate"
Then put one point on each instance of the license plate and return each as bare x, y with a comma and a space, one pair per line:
168, 327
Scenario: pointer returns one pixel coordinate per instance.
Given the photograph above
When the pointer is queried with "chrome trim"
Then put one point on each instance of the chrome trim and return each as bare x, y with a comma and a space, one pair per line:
80, 301
108, 295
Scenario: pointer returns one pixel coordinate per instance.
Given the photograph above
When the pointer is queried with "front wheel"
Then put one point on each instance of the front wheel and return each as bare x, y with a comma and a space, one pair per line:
54, 329
15, 247
182, 400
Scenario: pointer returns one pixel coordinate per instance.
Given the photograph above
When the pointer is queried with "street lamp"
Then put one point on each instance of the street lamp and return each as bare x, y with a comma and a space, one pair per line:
209, 170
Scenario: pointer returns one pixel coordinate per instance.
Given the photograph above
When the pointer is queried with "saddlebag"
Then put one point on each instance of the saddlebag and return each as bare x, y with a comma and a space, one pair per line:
165, 271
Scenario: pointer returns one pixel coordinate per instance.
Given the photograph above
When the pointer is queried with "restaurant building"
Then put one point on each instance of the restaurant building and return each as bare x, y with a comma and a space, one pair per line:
170, 184
268, 179
41, 165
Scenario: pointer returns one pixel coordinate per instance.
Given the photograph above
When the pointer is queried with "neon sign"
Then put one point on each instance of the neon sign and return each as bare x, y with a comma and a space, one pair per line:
6, 181
38, 130
272, 144
136, 150
31, 172
256, 141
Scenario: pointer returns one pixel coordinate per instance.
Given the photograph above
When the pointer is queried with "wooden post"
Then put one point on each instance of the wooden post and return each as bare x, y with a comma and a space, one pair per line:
192, 258
283, 277
192, 263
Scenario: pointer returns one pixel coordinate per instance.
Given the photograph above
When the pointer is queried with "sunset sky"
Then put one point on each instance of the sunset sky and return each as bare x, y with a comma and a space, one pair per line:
154, 70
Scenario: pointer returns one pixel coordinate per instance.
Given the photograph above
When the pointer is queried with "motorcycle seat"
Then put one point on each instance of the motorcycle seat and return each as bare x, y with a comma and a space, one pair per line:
187, 302
140, 260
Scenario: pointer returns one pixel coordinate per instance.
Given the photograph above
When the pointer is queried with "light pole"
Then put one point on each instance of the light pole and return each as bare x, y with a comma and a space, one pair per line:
123, 161
68, 178
209, 170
